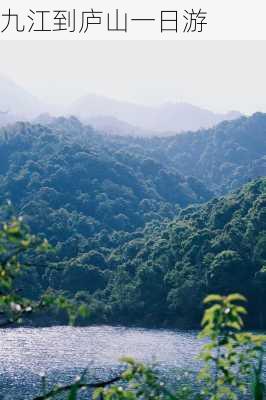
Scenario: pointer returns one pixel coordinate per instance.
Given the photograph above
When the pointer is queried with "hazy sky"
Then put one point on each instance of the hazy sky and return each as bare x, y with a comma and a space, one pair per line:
218, 75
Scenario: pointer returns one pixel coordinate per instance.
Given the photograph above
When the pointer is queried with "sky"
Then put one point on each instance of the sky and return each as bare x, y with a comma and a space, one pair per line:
218, 75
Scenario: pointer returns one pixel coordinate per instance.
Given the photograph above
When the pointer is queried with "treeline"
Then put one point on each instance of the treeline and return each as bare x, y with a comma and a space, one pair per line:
124, 218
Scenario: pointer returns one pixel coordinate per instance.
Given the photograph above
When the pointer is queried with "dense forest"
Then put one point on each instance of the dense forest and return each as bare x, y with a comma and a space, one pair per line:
163, 275
223, 158
137, 228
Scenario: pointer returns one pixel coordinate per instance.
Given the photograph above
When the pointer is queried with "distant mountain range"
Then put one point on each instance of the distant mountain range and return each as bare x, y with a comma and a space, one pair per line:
109, 115
17, 101
168, 117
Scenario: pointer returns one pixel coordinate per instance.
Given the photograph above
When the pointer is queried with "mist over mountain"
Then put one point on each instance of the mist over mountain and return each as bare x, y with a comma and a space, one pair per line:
114, 126
109, 115
16, 102
168, 117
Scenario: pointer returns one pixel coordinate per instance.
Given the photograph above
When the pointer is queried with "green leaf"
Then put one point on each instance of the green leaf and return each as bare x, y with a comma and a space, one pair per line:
212, 298
235, 297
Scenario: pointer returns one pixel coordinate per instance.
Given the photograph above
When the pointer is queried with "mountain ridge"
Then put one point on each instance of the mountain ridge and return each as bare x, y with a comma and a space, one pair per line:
111, 115
168, 117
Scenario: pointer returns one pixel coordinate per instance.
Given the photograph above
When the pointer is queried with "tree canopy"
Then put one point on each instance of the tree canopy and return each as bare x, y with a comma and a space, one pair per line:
137, 229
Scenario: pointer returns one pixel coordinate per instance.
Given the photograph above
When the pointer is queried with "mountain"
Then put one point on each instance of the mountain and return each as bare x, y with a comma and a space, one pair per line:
114, 126
109, 115
223, 158
17, 101
137, 226
162, 275
169, 117
76, 175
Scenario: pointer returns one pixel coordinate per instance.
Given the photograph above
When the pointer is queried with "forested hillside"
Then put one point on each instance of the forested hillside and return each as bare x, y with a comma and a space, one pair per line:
72, 184
162, 275
124, 216
223, 158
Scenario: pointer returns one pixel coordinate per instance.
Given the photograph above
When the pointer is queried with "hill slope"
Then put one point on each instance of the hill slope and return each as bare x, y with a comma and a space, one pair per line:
19, 102
72, 185
163, 274
223, 158
106, 203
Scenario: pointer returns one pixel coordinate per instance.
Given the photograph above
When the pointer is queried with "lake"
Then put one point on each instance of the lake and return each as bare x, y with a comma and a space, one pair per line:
64, 352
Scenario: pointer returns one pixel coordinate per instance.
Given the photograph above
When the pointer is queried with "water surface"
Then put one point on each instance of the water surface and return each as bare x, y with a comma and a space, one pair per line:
64, 352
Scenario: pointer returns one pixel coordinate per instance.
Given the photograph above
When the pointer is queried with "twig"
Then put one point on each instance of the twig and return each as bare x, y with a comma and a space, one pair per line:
78, 385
